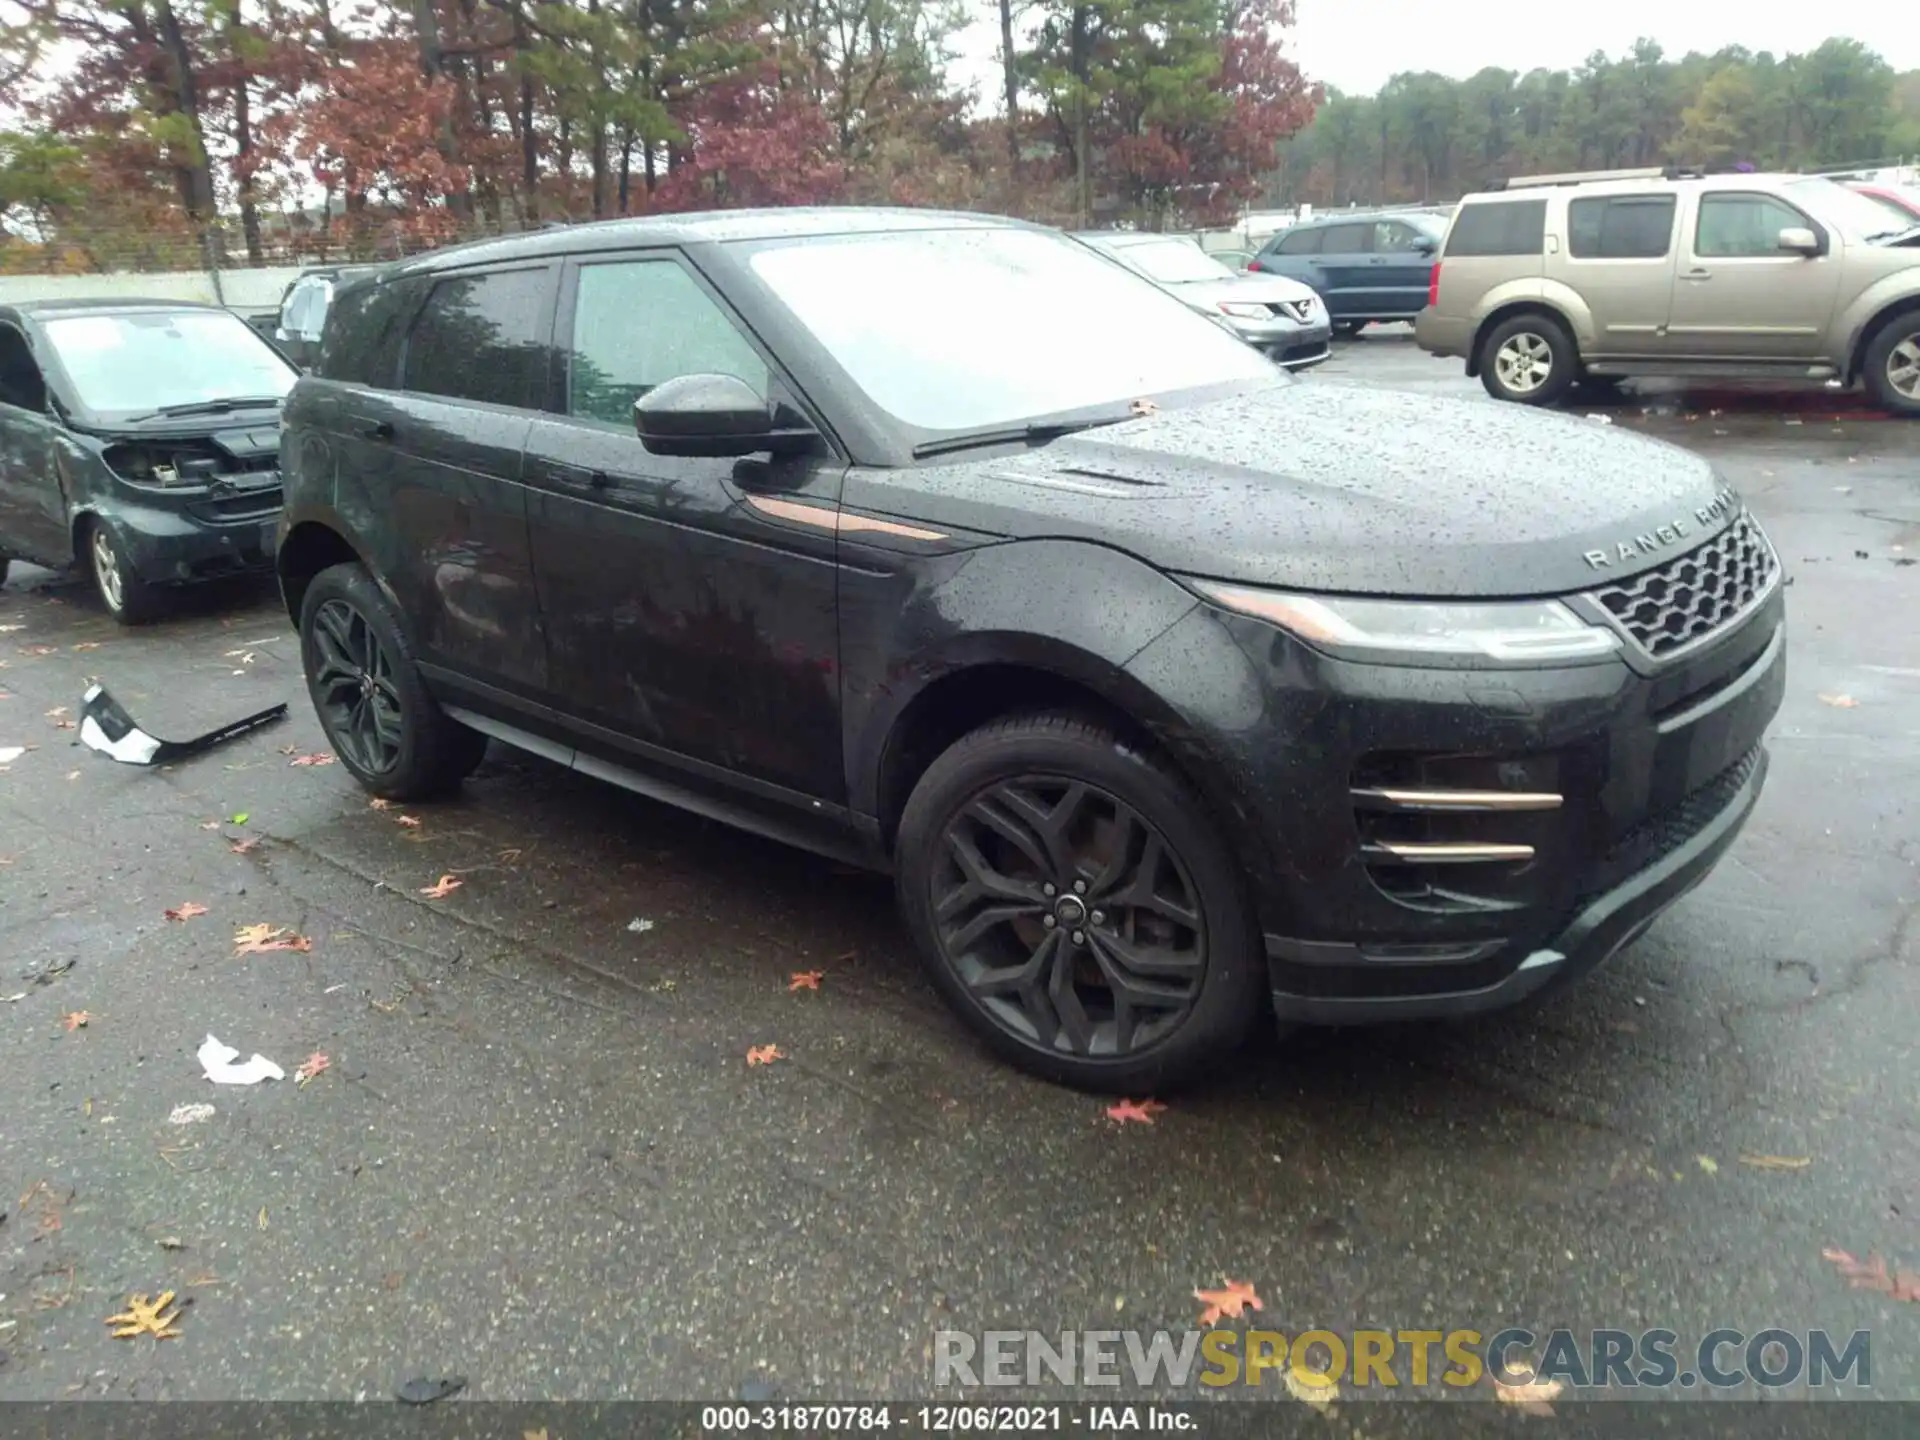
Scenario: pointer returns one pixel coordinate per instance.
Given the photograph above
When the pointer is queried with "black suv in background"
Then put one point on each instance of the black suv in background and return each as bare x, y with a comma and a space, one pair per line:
1367, 268
1171, 691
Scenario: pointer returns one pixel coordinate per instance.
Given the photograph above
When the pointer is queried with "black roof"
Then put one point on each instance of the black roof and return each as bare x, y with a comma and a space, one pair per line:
706, 226
118, 306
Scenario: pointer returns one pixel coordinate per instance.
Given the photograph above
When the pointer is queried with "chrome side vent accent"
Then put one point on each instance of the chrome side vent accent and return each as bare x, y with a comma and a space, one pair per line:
1445, 852
1453, 801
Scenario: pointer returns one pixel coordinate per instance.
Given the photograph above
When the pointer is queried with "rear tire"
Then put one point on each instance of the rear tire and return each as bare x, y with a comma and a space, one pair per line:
1348, 329
128, 598
5, 565
1529, 360
1893, 365
1151, 971
367, 690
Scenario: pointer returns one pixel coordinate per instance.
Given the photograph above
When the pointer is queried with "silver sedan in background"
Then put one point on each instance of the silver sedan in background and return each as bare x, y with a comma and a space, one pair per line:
1282, 318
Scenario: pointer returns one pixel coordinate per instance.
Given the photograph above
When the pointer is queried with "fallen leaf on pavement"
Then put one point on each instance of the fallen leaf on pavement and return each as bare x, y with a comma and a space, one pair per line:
319, 757
189, 1114
764, 1055
39, 649
378, 804
311, 1068
442, 888
1528, 1395
258, 939
75, 1020
73, 775
210, 825
246, 846
172, 1242
56, 712
1140, 1112
1839, 702
1872, 1274
806, 979
1230, 1301
1708, 1164
147, 1317
11, 753
241, 818
412, 822
186, 911
88, 645
1776, 1162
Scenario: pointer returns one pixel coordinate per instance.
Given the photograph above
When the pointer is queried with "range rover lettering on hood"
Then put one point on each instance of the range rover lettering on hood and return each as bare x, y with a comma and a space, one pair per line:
1679, 530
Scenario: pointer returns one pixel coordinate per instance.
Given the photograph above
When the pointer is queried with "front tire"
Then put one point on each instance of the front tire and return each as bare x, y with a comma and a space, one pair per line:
1072, 900
1529, 360
1893, 366
368, 693
128, 598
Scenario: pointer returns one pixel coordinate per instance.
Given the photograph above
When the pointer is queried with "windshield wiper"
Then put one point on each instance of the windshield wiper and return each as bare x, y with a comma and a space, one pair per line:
1031, 433
219, 407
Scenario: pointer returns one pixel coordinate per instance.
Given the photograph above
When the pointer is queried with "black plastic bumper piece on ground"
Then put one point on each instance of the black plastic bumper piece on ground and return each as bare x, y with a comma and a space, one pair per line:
1605, 926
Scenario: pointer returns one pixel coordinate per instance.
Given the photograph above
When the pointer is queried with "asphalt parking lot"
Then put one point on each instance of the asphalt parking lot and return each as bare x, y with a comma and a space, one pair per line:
538, 1159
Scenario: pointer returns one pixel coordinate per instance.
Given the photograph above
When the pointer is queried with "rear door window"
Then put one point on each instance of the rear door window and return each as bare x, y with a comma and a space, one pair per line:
1620, 227
484, 337
1499, 227
1300, 242
1347, 239
360, 342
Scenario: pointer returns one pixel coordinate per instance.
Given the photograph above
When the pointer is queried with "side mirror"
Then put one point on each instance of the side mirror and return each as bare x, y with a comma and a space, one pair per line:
1799, 240
1426, 245
712, 415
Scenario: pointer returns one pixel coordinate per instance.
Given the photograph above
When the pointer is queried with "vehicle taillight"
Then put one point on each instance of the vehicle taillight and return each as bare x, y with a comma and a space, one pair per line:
1433, 285
1254, 264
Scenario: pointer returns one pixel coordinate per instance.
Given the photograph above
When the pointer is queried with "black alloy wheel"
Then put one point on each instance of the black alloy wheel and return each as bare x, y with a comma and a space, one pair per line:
1073, 901
1069, 918
354, 690
367, 690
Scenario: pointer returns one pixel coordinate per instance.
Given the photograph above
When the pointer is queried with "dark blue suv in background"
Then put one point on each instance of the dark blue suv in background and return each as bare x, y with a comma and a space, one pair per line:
1367, 267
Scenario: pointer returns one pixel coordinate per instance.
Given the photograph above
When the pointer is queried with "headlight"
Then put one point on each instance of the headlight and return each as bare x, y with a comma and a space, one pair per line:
1245, 309
1506, 630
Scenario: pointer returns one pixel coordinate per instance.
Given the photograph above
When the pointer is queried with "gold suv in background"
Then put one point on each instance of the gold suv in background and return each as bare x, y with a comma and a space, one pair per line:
1561, 280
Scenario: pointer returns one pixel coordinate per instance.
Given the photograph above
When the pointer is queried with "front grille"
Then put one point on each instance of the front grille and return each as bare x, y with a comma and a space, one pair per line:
1292, 309
1689, 598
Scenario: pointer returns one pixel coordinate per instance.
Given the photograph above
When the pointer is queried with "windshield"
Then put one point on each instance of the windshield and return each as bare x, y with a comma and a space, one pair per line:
1857, 215
1171, 262
967, 329
154, 360
1905, 216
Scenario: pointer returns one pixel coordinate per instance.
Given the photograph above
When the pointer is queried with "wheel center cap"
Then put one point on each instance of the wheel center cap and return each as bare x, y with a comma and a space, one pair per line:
1070, 911
366, 683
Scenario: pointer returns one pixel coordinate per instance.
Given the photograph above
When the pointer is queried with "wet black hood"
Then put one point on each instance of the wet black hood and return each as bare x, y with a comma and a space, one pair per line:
1327, 488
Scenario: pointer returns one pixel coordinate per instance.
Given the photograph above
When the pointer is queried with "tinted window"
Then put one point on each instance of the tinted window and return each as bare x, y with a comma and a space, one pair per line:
1499, 227
1300, 242
1397, 237
1346, 239
360, 342
483, 337
1639, 227
1743, 225
640, 323
20, 382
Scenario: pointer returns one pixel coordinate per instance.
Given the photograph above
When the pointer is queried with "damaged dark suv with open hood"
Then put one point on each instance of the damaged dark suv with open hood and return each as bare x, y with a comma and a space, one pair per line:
1173, 691
139, 439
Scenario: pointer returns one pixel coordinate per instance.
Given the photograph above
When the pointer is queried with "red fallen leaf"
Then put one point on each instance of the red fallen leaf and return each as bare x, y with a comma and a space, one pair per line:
319, 757
806, 979
259, 939
442, 888
1231, 1301
1139, 1111
312, 1067
246, 846
187, 911
764, 1055
75, 1020
1872, 1274
412, 822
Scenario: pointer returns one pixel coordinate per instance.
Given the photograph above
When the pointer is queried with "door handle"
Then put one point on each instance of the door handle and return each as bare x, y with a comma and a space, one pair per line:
1697, 276
376, 429
576, 476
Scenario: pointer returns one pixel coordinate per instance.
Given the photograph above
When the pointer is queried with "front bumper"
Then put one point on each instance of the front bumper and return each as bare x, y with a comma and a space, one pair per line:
1286, 342
197, 539
1651, 766
1447, 335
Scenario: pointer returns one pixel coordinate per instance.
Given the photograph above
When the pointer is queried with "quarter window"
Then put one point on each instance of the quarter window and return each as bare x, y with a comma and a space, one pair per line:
1620, 227
1499, 227
1743, 225
638, 324
482, 337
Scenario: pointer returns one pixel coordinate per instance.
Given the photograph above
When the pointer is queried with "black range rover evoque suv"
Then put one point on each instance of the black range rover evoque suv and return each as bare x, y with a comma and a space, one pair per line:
1171, 690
